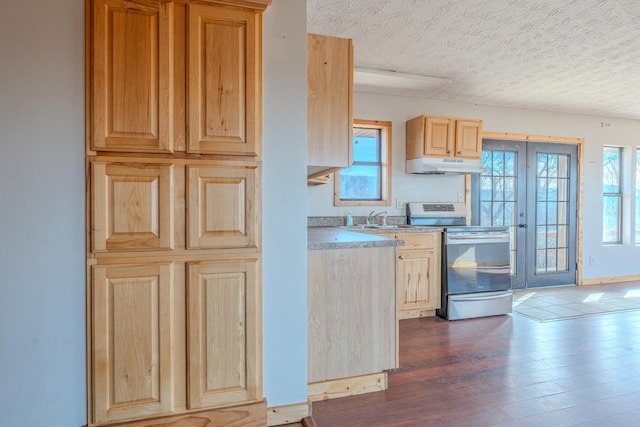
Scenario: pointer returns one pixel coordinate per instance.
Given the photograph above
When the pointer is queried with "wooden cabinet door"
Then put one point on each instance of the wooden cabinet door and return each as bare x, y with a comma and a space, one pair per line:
469, 139
329, 102
132, 341
417, 282
222, 206
439, 137
224, 82
130, 84
132, 206
223, 337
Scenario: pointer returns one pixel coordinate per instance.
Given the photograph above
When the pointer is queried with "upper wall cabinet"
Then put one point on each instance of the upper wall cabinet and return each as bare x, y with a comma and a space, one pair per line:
329, 103
429, 136
138, 95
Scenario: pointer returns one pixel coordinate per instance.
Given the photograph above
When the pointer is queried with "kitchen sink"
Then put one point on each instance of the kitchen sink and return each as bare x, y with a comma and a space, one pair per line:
374, 226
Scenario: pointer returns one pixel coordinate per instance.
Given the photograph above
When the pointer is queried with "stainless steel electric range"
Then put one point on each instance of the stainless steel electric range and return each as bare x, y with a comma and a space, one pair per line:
476, 273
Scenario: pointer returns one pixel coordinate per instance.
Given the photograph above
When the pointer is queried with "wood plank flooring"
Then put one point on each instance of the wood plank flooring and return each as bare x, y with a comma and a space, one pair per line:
505, 371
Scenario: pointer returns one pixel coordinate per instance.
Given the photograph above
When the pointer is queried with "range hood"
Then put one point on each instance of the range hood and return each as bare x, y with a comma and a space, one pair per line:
443, 166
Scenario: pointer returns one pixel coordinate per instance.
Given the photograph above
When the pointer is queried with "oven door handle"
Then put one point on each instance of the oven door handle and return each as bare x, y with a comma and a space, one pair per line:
476, 239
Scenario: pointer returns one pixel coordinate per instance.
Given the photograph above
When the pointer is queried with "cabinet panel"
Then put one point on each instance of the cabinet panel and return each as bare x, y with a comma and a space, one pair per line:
222, 206
132, 341
130, 77
224, 80
132, 206
222, 333
329, 102
468, 139
439, 133
417, 280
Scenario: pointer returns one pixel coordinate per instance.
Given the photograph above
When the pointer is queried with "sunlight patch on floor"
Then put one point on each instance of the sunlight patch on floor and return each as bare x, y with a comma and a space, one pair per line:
633, 293
523, 298
594, 297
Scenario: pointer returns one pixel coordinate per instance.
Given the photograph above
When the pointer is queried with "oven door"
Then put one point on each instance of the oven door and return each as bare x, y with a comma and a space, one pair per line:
477, 261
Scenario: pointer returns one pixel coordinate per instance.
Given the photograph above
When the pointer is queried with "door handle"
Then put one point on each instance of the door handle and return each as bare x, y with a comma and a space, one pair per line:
522, 225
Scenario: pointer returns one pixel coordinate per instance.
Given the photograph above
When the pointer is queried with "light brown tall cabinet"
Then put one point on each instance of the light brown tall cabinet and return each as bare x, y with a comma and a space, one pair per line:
173, 212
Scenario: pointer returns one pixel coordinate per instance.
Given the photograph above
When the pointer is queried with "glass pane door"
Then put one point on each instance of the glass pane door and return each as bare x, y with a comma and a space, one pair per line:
498, 195
552, 231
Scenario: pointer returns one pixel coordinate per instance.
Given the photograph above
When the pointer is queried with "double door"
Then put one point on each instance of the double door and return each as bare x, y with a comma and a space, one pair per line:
160, 68
532, 189
140, 353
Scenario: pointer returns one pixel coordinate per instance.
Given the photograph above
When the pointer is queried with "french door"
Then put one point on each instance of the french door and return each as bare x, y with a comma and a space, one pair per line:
531, 188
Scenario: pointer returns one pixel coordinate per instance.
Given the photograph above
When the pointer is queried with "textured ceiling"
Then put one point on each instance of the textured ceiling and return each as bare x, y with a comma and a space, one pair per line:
579, 56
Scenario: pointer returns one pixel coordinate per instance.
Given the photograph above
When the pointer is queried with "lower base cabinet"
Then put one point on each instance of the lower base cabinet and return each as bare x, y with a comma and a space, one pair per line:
169, 338
417, 274
352, 323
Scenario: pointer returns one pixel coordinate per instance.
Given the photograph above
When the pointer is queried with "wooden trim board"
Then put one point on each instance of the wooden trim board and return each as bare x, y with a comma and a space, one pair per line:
249, 415
610, 279
288, 414
412, 314
533, 138
347, 386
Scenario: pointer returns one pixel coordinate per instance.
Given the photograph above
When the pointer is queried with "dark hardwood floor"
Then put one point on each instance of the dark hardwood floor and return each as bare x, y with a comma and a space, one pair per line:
505, 371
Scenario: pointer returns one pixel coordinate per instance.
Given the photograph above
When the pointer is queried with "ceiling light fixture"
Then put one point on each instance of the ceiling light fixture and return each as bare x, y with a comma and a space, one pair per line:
395, 83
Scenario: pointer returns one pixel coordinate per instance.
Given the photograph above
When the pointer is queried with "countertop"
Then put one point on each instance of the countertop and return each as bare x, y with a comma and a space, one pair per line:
346, 238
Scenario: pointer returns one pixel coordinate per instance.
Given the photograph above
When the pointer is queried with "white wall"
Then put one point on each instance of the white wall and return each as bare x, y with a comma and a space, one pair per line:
42, 282
285, 203
620, 260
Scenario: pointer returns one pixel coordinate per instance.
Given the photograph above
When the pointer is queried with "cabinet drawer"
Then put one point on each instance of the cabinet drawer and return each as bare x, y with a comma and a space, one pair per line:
418, 241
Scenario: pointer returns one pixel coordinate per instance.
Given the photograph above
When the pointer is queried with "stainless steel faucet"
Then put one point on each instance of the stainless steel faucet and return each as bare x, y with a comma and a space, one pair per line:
372, 216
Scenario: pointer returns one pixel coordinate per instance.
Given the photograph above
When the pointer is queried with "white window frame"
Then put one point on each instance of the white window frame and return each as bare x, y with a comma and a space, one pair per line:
619, 195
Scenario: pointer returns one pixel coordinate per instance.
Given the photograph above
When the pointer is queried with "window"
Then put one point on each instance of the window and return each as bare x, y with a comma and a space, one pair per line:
637, 225
368, 180
612, 195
